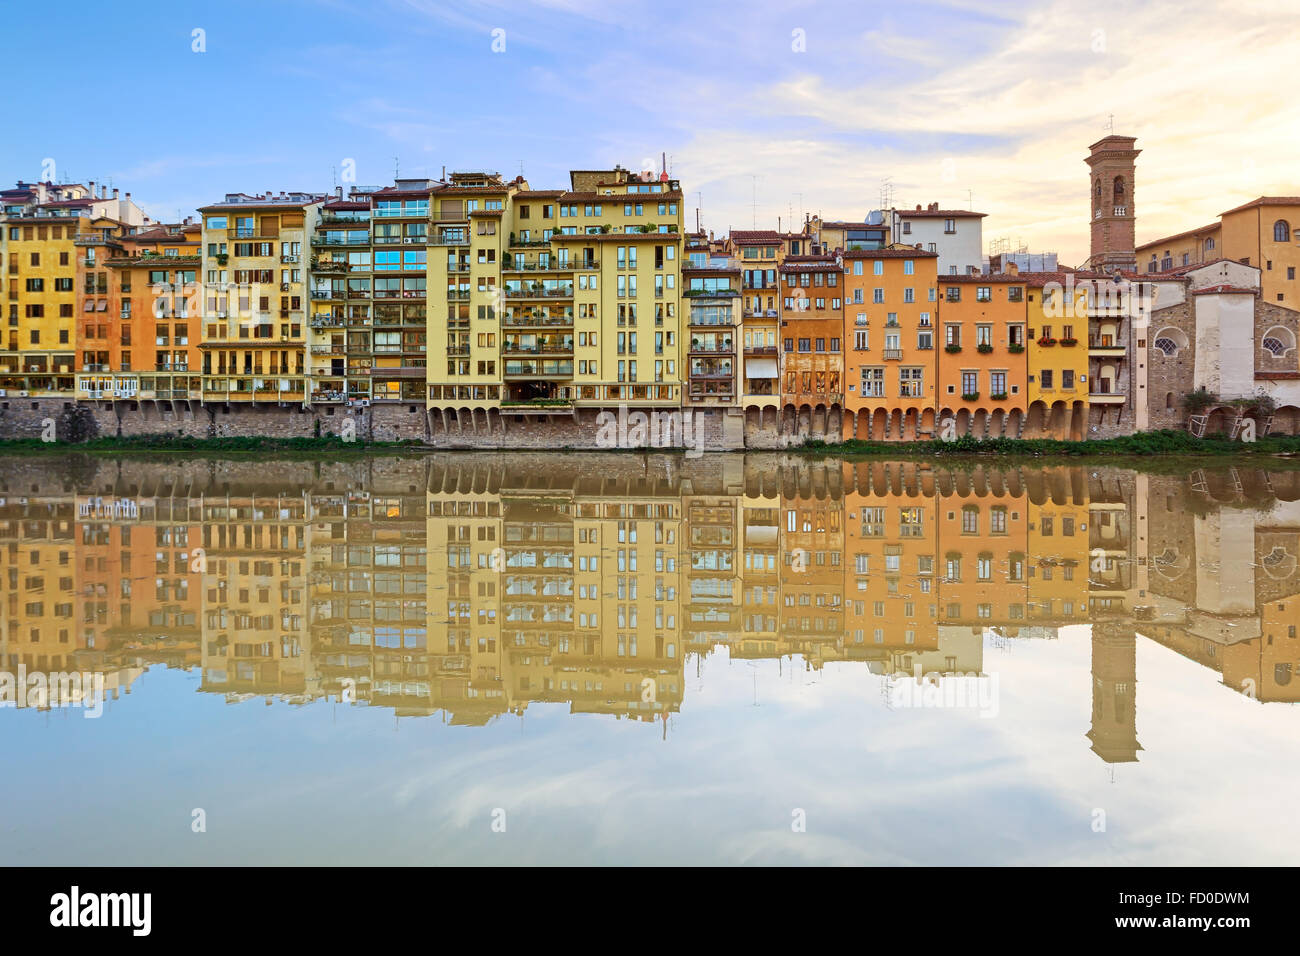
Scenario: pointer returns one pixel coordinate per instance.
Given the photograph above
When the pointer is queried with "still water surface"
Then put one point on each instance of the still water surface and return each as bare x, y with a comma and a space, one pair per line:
593, 658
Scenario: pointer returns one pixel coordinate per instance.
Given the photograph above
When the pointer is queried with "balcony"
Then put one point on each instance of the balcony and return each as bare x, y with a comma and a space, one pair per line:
892, 355
528, 321
760, 350
338, 240
328, 267
1104, 346
450, 238
560, 292
1107, 398
543, 368
512, 349
328, 350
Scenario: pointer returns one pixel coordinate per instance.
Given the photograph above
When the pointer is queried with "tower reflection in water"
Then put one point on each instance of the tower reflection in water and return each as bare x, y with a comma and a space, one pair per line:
472, 586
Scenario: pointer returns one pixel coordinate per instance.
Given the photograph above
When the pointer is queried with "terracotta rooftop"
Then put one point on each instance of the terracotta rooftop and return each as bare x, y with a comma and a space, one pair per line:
1223, 290
1265, 201
890, 254
1178, 235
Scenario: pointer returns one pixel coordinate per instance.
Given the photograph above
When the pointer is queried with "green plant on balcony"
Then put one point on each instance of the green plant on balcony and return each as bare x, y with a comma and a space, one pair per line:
1015, 349
222, 258
648, 228
984, 348
999, 396
1069, 341
952, 349
1045, 341
970, 396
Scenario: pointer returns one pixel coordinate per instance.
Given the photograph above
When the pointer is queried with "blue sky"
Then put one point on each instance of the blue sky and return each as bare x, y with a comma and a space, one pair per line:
960, 102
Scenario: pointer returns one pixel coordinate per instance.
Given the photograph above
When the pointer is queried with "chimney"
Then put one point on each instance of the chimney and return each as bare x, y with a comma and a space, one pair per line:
1012, 269
918, 207
114, 192
934, 207
128, 197
338, 192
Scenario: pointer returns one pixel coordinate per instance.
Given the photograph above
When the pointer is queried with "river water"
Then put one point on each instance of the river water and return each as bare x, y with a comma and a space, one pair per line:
573, 658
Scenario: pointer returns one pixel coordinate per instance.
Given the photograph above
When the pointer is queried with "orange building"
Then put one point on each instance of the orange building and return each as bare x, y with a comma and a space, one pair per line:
137, 332
981, 552
812, 355
982, 362
889, 337
890, 593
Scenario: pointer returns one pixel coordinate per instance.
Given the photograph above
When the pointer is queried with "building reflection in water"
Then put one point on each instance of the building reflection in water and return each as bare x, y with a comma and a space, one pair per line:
470, 586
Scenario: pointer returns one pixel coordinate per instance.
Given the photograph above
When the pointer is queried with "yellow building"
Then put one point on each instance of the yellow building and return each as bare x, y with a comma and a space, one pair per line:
254, 294
1057, 313
555, 299
40, 224
1264, 233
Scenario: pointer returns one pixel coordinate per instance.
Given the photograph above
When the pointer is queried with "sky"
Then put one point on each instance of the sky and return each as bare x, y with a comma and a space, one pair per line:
765, 110
338, 785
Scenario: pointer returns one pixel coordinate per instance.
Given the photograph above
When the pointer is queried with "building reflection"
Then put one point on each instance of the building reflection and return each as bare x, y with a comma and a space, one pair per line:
471, 586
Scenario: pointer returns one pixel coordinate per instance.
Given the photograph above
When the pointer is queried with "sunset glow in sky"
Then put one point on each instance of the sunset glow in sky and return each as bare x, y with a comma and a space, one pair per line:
764, 109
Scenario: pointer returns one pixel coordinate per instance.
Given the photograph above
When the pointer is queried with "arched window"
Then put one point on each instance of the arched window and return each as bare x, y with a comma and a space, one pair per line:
1119, 189
1209, 244
1166, 263
1169, 340
1169, 396
1281, 231
1099, 189
1152, 266
1278, 340
1282, 674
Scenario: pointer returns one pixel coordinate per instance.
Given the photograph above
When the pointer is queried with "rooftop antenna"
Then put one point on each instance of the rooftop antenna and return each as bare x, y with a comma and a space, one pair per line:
886, 193
396, 169
970, 199
1110, 123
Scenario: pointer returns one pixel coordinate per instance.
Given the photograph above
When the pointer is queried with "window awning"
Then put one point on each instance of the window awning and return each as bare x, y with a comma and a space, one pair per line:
760, 368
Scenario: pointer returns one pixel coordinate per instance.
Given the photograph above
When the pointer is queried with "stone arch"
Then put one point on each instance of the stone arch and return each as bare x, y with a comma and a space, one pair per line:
1168, 342
1279, 341
1286, 421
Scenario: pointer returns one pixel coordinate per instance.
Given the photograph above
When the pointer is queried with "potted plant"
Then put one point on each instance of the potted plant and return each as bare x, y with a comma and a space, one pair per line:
970, 397
1015, 348
1069, 341
1045, 341
999, 396
952, 349
984, 348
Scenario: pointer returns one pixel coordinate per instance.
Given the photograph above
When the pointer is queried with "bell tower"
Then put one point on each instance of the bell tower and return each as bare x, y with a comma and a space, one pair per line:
1112, 161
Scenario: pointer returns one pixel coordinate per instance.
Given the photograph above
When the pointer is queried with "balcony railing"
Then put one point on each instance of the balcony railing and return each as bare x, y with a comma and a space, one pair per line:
893, 355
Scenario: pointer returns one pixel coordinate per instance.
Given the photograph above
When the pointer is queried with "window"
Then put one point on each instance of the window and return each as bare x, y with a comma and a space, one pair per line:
953, 293
1015, 294
970, 382
997, 383
1281, 231
1278, 341
983, 293
910, 381
1045, 378
873, 382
